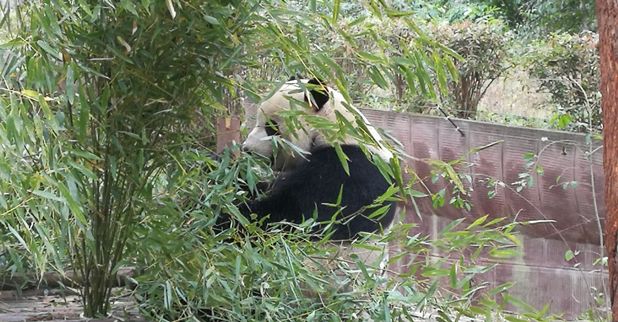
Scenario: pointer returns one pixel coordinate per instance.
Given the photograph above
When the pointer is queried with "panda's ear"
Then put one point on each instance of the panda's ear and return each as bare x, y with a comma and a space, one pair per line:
318, 92
295, 77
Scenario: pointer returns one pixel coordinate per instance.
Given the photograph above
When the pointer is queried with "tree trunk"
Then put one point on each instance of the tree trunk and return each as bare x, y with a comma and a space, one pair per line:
607, 16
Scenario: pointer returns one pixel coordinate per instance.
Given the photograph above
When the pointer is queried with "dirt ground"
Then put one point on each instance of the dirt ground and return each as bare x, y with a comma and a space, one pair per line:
52, 305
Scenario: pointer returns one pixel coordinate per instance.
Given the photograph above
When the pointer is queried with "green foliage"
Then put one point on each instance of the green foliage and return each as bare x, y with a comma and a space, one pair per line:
510, 119
483, 47
528, 17
29, 209
461, 62
357, 54
273, 275
454, 12
107, 95
555, 16
102, 165
239, 275
568, 68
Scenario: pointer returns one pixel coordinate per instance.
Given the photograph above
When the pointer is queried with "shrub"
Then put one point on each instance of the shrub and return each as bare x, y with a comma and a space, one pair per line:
483, 47
480, 49
100, 101
568, 68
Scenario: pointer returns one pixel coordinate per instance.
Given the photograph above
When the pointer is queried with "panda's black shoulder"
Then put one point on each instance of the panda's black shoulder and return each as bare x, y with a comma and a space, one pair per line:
327, 156
323, 170
321, 185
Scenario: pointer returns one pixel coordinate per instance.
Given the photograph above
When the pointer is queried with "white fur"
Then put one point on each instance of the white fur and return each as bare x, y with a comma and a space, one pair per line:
258, 141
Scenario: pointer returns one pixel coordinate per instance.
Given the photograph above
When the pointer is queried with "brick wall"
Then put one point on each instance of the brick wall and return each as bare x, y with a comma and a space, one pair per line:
542, 274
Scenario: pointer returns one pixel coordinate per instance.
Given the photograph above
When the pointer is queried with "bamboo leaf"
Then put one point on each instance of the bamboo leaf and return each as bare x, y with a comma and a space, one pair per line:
439, 67
336, 6
70, 84
368, 56
84, 154
477, 222
47, 48
47, 195
342, 158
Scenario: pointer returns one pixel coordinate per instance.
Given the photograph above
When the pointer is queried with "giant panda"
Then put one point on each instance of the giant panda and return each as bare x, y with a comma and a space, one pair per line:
313, 182
307, 183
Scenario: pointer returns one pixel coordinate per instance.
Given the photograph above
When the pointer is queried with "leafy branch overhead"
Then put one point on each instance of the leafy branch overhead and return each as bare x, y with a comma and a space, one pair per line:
100, 101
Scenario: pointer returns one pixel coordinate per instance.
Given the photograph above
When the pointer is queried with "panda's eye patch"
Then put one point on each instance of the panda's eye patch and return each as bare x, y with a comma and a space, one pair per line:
272, 128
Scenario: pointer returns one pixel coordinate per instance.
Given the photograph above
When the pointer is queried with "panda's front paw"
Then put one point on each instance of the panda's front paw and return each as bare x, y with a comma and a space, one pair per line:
261, 188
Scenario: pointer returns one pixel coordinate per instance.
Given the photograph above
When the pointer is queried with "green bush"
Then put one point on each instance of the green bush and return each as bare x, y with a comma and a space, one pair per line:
527, 17
483, 47
568, 68
102, 97
479, 46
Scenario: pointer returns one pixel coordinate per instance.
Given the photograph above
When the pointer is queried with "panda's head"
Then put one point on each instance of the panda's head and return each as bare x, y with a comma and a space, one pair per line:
321, 100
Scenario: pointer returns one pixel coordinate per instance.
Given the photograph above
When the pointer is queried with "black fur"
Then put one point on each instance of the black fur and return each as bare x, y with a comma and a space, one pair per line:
318, 92
296, 194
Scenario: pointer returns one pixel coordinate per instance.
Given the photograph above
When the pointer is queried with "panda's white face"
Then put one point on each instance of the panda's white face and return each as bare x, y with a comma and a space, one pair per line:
269, 124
